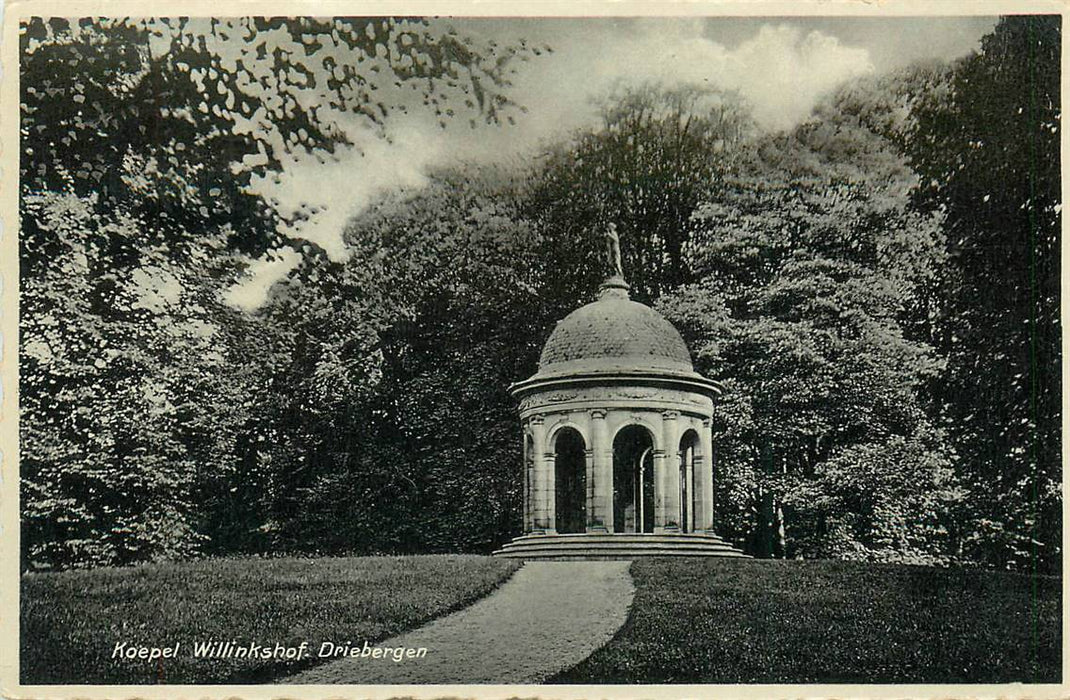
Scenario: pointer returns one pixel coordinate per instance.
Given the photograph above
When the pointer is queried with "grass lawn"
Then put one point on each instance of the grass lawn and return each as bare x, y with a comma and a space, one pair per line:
72, 620
747, 621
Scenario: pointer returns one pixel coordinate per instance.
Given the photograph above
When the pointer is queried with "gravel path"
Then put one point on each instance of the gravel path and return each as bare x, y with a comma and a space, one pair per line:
549, 616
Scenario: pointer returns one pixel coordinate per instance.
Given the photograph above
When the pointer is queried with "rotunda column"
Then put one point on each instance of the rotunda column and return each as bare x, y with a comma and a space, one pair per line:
527, 456
588, 482
691, 465
668, 485
542, 494
601, 505
549, 468
659, 492
705, 471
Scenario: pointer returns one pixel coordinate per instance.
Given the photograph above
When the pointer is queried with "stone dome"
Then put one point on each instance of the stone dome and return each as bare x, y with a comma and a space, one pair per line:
614, 333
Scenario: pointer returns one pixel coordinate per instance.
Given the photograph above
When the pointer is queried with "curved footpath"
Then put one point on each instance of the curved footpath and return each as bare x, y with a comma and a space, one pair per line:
549, 616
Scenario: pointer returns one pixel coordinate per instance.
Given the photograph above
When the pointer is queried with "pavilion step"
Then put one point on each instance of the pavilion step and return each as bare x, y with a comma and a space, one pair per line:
610, 541
596, 553
618, 553
617, 536
622, 554
616, 546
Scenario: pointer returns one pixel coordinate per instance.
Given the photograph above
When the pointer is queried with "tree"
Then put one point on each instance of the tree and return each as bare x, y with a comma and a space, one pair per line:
197, 108
121, 399
423, 453
643, 168
807, 260
140, 138
989, 158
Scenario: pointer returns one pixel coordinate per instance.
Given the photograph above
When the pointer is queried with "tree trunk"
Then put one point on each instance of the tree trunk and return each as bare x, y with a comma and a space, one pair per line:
780, 546
765, 534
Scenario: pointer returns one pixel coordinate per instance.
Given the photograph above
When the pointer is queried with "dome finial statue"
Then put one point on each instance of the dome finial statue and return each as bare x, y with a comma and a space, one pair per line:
613, 285
613, 252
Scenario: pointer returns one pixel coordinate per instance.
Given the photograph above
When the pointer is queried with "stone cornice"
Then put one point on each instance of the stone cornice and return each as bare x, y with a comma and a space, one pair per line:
690, 381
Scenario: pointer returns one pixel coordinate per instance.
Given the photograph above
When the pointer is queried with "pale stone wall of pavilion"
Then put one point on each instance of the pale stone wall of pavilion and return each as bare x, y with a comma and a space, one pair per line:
598, 413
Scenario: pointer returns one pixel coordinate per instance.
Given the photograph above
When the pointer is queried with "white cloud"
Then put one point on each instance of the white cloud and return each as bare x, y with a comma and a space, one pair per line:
781, 71
325, 195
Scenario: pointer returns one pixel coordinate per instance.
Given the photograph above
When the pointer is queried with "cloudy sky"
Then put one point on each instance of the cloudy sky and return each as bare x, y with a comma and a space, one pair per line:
781, 65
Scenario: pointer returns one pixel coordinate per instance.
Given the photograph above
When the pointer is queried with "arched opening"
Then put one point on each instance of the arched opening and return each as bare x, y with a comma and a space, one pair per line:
633, 480
689, 447
570, 479
529, 482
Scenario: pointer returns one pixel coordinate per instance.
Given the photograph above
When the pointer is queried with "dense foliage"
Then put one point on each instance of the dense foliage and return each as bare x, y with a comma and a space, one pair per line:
147, 403
877, 288
990, 157
806, 267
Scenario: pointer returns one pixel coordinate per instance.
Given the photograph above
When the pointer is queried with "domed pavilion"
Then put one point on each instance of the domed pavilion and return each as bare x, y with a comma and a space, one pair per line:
617, 440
